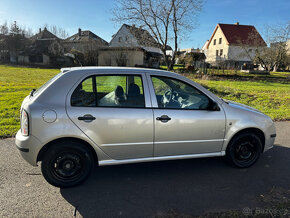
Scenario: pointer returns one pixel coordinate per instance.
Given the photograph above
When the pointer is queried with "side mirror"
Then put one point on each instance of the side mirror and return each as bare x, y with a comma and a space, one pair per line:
214, 106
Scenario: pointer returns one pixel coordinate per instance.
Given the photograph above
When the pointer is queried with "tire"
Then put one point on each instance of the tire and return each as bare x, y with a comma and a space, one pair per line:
67, 164
244, 150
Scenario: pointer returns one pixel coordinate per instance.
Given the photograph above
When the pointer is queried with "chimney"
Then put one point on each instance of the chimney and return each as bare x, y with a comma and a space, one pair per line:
237, 23
39, 30
80, 31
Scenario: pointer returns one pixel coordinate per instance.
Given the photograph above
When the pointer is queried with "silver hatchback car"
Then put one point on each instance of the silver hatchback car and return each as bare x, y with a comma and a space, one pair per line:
110, 115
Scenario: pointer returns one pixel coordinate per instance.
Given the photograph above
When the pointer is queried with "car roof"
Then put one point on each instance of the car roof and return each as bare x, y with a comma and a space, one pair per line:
132, 69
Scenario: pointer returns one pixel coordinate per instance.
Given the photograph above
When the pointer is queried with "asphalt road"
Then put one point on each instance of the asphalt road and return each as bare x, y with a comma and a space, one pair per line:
144, 190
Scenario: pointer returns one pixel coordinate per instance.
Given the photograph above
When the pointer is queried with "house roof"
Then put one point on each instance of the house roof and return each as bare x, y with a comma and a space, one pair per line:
237, 34
143, 36
44, 35
85, 36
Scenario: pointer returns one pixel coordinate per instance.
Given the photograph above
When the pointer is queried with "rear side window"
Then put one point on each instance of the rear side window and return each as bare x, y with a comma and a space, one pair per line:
110, 91
84, 95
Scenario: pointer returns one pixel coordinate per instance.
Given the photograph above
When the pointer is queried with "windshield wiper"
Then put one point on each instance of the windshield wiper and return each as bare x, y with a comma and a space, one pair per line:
31, 93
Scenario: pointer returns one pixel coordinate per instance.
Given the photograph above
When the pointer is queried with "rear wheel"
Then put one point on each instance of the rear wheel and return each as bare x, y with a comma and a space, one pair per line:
66, 164
244, 150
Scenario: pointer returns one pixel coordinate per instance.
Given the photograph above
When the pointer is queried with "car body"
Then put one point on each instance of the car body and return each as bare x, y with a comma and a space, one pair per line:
129, 115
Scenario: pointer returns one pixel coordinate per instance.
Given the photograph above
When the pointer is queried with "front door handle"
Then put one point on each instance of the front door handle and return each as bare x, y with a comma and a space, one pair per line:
163, 118
87, 118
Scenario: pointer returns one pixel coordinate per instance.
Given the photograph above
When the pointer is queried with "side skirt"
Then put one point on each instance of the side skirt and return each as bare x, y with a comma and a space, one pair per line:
149, 159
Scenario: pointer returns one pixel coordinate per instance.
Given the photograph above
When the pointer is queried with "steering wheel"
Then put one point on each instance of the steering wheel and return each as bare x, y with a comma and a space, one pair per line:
168, 97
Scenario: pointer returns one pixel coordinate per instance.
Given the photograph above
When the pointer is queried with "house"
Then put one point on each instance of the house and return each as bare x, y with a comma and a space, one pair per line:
84, 41
204, 48
233, 44
45, 49
134, 46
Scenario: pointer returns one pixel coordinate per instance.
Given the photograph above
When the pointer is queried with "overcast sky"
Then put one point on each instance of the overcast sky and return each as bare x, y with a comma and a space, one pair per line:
95, 15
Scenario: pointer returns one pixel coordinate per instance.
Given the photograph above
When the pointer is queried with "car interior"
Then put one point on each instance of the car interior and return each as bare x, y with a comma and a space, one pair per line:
128, 95
178, 95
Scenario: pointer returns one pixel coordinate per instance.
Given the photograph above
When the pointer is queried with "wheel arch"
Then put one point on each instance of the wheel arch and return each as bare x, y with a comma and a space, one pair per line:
45, 148
254, 130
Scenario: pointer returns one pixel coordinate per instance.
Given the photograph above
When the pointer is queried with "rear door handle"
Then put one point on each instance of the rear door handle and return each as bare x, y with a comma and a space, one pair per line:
163, 118
87, 118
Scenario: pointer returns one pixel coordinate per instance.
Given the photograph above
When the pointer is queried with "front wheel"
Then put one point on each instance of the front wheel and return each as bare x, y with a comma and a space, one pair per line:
244, 150
67, 164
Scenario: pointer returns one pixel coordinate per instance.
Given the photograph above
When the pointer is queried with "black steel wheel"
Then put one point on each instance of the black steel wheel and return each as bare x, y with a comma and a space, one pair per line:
66, 164
244, 150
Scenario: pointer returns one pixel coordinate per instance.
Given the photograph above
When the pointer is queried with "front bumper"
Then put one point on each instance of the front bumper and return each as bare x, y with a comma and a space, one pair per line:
29, 147
270, 136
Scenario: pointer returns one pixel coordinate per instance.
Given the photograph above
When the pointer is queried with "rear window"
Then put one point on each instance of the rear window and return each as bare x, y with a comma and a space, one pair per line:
47, 84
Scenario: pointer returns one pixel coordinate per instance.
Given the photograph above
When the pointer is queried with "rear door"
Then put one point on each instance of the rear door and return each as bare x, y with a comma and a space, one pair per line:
111, 110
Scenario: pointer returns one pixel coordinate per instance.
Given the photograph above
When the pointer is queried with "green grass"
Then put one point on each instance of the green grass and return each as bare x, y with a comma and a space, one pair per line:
218, 72
15, 84
272, 98
175, 67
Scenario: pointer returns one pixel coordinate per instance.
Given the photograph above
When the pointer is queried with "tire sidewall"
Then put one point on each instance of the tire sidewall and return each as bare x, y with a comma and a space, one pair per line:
62, 147
230, 153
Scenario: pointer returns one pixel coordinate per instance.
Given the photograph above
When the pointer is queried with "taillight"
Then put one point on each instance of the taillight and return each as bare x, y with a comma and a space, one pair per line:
24, 123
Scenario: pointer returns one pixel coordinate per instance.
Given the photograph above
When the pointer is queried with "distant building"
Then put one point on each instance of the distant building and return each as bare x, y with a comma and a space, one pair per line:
84, 41
45, 49
288, 47
233, 44
204, 48
134, 46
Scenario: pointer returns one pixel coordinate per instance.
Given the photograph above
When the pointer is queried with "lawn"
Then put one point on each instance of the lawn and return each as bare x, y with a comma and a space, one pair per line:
272, 98
15, 84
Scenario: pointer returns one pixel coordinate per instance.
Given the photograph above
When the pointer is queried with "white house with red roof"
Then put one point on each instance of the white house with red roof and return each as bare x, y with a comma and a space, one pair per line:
233, 43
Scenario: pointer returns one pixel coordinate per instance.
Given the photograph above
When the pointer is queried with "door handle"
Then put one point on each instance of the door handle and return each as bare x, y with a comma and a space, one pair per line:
87, 118
163, 118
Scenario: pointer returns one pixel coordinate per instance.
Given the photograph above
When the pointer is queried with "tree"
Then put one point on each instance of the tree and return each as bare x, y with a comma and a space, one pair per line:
16, 37
275, 55
4, 28
167, 21
58, 31
15, 29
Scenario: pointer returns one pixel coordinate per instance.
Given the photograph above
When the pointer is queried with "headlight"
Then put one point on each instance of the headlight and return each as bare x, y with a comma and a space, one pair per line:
24, 123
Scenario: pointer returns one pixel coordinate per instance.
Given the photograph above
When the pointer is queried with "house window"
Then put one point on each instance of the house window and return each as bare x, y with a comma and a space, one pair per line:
221, 52
214, 42
220, 40
217, 52
120, 39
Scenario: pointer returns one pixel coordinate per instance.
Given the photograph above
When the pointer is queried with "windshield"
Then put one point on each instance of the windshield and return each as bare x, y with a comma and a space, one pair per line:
46, 84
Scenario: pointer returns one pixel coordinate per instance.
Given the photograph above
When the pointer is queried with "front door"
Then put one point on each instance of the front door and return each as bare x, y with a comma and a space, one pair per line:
110, 110
185, 122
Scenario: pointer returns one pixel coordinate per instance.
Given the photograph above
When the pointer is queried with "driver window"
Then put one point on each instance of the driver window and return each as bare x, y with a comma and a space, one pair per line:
175, 94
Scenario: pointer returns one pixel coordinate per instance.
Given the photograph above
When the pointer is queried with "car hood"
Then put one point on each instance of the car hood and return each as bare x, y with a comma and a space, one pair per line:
242, 106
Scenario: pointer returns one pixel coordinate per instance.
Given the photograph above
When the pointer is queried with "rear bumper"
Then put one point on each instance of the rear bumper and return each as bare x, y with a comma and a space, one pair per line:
29, 146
